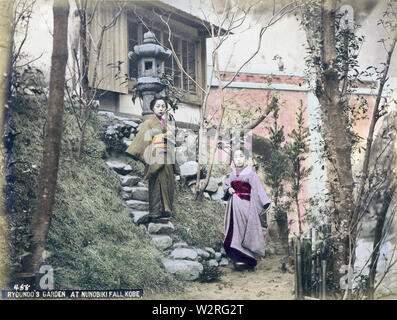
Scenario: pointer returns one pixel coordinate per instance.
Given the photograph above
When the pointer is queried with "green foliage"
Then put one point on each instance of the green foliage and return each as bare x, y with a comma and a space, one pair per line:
210, 274
297, 153
198, 223
173, 94
113, 139
92, 242
348, 44
276, 170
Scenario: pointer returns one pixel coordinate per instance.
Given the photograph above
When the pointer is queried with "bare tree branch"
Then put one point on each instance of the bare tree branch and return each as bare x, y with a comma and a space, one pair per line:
371, 132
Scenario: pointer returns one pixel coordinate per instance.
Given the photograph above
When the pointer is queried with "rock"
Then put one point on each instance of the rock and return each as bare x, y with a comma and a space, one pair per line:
210, 251
130, 123
180, 244
119, 167
127, 189
219, 180
142, 184
140, 193
202, 253
191, 143
138, 205
183, 269
127, 169
189, 169
218, 256
212, 263
224, 262
162, 242
184, 253
212, 185
140, 216
122, 119
191, 182
113, 129
181, 154
126, 196
129, 181
106, 114
132, 136
137, 120
110, 130
164, 228
218, 195
127, 142
180, 135
207, 196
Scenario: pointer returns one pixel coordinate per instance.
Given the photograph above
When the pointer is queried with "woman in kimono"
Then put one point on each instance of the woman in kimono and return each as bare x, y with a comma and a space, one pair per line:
154, 146
244, 240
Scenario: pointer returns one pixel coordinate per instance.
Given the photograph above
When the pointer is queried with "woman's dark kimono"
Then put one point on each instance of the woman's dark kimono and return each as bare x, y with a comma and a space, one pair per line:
159, 159
244, 239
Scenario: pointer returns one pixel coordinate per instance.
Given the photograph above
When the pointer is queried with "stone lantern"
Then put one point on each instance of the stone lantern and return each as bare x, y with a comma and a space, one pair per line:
150, 59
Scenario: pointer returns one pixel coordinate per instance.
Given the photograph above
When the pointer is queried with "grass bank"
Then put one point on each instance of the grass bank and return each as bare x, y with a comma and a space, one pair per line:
92, 242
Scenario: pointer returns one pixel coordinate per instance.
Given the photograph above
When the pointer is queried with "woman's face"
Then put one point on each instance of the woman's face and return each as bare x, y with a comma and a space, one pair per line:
239, 158
159, 108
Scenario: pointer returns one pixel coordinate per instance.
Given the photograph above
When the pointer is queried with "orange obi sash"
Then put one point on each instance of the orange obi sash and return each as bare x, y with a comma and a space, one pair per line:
159, 142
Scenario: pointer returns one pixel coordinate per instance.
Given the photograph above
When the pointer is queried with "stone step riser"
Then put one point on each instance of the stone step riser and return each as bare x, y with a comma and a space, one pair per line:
138, 205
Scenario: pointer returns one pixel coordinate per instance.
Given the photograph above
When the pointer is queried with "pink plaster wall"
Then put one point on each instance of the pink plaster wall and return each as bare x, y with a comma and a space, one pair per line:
289, 101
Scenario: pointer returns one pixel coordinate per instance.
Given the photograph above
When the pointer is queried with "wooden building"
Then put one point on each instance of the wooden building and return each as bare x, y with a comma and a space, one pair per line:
118, 74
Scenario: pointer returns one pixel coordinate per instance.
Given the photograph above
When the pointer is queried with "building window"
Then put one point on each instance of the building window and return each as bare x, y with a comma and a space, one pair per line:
186, 51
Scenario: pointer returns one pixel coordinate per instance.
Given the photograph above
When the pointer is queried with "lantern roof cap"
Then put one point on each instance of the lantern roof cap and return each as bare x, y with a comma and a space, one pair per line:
149, 37
149, 48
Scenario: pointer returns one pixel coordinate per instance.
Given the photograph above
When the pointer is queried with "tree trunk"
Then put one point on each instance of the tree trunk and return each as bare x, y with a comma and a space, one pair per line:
6, 32
52, 143
84, 81
200, 189
381, 160
339, 147
385, 198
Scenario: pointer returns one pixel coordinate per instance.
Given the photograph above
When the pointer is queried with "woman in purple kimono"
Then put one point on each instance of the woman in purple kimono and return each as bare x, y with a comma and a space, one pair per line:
244, 239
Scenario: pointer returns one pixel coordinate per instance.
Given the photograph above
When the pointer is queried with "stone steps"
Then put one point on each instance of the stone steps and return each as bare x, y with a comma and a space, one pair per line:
161, 228
183, 261
140, 217
138, 205
162, 242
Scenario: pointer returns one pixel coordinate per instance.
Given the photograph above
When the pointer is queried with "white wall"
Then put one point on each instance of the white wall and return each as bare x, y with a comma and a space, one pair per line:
39, 41
286, 38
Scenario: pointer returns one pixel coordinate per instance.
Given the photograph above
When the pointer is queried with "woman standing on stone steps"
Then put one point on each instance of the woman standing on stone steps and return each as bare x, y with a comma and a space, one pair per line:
244, 240
154, 145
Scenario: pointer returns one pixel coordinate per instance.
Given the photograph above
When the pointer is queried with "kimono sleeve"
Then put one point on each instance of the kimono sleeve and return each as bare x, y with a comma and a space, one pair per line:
142, 140
226, 186
260, 193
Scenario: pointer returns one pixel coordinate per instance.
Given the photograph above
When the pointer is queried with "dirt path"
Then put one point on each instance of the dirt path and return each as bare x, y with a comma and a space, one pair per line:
267, 282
